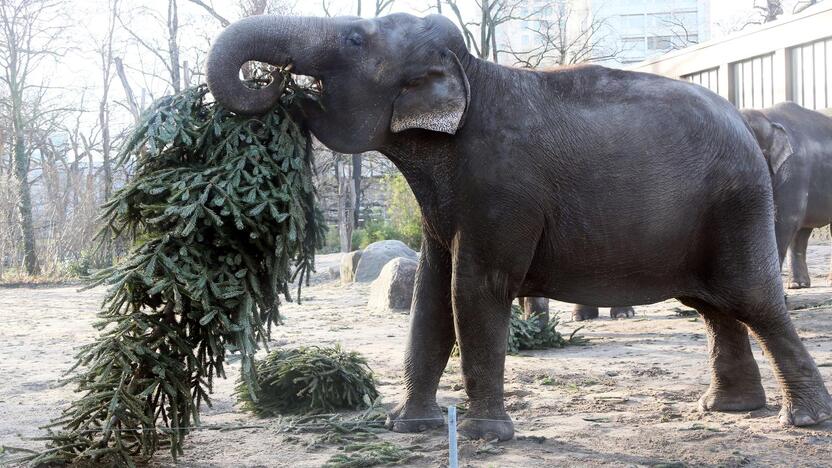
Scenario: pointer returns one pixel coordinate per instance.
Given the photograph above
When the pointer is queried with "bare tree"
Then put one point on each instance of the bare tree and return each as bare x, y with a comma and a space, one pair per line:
680, 34
766, 12
481, 32
802, 5
770, 11
169, 55
106, 56
30, 35
210, 9
563, 36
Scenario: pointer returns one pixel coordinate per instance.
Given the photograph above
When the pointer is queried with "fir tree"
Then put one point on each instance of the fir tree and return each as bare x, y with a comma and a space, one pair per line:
221, 211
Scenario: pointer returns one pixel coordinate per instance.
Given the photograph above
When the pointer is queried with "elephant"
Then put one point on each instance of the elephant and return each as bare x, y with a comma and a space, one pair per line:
797, 145
656, 185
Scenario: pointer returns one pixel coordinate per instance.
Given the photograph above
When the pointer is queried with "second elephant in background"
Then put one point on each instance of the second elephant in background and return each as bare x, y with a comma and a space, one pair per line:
797, 144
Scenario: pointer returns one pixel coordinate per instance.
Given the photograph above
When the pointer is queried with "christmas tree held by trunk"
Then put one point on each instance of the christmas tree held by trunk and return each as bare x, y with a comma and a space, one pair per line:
221, 212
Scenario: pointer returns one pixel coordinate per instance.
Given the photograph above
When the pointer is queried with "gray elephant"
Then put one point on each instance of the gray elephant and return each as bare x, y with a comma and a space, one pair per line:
797, 144
656, 185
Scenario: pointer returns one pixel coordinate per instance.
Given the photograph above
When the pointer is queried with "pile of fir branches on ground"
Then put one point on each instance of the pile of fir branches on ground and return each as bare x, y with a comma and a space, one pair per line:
308, 380
533, 333
221, 212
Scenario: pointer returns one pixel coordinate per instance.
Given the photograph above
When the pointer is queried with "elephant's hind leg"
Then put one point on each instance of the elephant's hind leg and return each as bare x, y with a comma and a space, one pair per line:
800, 271
743, 282
429, 344
805, 398
584, 312
622, 312
735, 378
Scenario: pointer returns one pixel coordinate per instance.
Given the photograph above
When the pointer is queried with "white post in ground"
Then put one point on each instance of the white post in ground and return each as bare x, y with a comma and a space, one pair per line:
453, 461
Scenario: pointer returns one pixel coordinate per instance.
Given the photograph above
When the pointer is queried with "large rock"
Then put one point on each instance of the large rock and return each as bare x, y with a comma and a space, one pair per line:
376, 255
393, 289
349, 262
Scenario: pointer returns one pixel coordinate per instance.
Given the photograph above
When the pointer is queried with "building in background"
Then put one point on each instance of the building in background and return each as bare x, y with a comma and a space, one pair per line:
785, 60
641, 29
611, 32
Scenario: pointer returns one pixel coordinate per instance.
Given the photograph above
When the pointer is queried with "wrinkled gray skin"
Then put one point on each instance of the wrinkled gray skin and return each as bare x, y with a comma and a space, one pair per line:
797, 144
656, 185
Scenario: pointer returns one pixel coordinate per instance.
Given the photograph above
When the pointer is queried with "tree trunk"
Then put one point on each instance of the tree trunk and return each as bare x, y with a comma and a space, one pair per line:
173, 45
104, 120
24, 205
128, 91
345, 204
356, 182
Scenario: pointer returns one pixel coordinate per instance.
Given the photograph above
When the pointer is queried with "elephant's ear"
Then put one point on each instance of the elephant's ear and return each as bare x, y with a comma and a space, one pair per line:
781, 147
435, 101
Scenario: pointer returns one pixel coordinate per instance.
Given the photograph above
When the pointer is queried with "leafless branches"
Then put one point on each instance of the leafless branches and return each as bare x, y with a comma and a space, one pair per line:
680, 34
30, 33
481, 32
210, 9
564, 36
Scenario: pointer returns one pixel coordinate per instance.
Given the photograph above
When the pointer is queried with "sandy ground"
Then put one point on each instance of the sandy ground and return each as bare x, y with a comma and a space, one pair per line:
628, 398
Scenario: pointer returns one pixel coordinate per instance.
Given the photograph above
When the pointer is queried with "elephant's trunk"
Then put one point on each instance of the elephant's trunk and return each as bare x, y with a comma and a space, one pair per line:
277, 40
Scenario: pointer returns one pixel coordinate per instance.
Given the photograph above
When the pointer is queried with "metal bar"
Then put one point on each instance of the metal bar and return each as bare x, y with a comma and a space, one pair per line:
453, 455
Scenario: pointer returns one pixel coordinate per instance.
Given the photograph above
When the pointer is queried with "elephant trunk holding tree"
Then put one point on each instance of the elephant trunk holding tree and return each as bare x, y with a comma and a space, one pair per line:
656, 185
797, 145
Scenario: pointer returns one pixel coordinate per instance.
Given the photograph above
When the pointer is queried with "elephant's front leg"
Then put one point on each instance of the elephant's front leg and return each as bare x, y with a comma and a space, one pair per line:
482, 310
429, 343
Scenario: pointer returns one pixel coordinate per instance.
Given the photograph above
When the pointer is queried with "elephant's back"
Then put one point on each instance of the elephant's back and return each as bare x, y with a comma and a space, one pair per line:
659, 165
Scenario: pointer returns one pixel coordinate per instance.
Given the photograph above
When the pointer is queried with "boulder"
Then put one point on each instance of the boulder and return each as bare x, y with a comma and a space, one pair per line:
393, 289
349, 263
333, 272
376, 255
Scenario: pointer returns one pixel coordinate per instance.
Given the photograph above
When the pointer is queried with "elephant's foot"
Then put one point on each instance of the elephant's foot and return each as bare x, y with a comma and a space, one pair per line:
796, 283
807, 410
409, 416
622, 312
740, 398
488, 423
584, 312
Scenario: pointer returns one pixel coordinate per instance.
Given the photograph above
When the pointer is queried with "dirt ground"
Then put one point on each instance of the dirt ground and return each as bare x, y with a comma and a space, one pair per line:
627, 398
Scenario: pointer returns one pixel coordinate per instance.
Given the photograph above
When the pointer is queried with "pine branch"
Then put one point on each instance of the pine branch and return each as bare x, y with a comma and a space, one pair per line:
222, 216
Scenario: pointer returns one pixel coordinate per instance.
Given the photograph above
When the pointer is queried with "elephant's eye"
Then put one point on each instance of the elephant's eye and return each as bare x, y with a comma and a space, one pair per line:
355, 39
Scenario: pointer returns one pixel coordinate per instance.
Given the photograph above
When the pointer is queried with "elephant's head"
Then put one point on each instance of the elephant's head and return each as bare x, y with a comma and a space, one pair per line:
772, 138
378, 77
